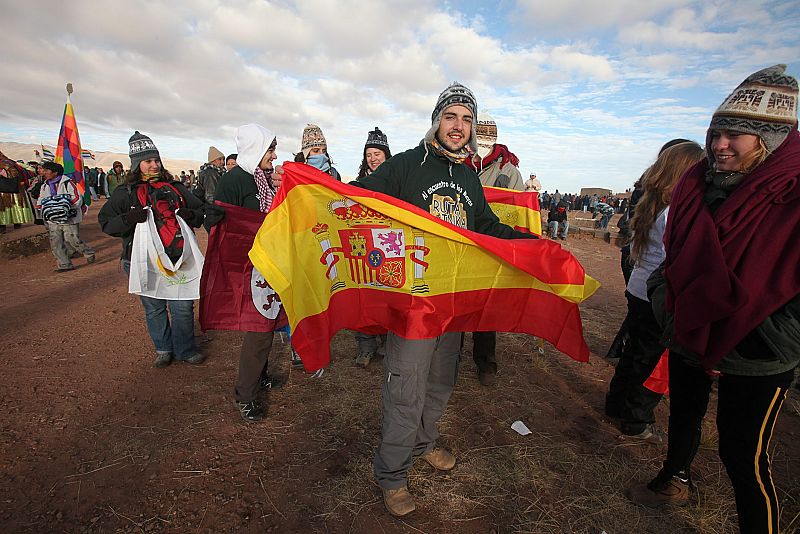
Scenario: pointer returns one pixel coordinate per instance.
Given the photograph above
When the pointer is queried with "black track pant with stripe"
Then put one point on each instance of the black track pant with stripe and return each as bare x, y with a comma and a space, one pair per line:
747, 409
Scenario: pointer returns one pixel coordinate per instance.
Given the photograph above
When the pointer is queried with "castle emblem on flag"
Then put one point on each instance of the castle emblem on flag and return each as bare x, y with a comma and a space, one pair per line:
374, 251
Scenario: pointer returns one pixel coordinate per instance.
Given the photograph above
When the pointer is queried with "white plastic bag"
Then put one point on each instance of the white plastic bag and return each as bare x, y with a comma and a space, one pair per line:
154, 275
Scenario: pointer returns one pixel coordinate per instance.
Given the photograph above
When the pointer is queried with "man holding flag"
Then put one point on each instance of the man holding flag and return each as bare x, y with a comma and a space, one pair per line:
420, 373
415, 250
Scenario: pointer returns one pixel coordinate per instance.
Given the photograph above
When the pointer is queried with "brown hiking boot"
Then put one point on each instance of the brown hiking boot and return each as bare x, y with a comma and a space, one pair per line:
672, 491
440, 459
398, 502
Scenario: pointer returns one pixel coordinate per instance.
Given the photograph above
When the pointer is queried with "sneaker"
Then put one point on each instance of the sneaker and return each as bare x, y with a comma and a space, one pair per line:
398, 502
163, 359
65, 268
440, 459
363, 359
318, 373
251, 411
487, 378
661, 491
196, 359
297, 363
90, 258
269, 382
649, 435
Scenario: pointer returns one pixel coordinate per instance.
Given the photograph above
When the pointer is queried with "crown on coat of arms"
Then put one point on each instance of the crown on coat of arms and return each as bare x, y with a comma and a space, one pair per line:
354, 214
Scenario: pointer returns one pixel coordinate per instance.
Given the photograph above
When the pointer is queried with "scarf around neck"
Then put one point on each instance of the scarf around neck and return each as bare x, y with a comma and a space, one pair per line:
729, 270
498, 152
456, 157
265, 192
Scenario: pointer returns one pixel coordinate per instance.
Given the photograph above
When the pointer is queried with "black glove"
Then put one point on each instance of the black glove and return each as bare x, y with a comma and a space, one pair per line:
137, 214
214, 214
192, 218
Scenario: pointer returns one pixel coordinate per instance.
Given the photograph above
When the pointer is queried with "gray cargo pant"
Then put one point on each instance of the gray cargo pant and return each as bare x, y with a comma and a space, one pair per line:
419, 375
64, 237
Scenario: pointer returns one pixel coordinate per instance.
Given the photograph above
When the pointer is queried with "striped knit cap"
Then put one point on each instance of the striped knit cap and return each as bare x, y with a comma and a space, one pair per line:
486, 131
312, 137
764, 104
140, 148
455, 94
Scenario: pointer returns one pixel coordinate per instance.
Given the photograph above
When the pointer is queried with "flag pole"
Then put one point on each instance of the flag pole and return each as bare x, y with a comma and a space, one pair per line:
69, 89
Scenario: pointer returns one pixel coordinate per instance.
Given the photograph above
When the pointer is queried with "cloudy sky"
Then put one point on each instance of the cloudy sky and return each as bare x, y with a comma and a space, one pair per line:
583, 91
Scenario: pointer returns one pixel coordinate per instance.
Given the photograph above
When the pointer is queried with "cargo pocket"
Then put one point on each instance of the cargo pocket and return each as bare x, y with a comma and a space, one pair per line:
401, 384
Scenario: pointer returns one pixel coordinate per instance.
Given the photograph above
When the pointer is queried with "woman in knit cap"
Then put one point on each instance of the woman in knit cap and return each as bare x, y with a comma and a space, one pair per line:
376, 151
729, 295
314, 151
151, 185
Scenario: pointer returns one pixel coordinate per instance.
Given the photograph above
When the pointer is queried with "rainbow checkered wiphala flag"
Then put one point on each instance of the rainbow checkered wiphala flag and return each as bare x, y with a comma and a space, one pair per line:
68, 151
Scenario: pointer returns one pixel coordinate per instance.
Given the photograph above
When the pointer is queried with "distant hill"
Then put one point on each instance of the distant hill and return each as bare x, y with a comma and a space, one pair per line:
104, 160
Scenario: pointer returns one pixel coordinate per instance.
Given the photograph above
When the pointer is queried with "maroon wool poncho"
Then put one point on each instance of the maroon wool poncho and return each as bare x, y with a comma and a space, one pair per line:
728, 271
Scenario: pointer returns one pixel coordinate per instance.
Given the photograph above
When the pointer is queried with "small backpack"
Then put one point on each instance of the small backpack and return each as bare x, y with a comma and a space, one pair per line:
164, 200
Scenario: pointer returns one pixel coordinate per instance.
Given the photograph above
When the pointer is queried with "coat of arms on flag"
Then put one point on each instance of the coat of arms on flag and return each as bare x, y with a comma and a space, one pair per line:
375, 252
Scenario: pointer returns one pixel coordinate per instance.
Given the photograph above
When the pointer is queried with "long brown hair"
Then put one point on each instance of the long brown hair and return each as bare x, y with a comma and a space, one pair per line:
657, 184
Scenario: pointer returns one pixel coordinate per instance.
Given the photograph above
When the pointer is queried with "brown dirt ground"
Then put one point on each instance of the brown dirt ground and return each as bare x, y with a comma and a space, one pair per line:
94, 439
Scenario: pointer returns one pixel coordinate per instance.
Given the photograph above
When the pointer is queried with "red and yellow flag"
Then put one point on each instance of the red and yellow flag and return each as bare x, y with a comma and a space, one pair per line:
341, 256
68, 151
517, 209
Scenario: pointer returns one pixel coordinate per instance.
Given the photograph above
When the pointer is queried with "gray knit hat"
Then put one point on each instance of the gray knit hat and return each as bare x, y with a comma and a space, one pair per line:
140, 148
455, 94
764, 104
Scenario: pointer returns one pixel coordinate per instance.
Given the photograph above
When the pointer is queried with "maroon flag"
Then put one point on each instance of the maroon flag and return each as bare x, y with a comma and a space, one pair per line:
234, 295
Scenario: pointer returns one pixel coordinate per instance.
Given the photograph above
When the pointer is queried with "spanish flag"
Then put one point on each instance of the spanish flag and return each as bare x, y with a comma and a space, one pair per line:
517, 209
341, 256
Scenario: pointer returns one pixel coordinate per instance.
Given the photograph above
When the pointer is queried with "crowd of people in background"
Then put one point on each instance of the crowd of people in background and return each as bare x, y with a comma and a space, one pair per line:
691, 254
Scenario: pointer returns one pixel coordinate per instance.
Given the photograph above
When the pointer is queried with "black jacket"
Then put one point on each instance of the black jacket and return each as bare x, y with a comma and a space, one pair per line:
112, 214
451, 192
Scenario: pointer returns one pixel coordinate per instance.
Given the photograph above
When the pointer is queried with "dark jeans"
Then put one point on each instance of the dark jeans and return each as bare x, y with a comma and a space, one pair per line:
747, 409
627, 397
483, 351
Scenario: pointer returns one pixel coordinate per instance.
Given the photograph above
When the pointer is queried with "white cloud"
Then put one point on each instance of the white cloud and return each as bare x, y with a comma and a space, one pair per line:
561, 78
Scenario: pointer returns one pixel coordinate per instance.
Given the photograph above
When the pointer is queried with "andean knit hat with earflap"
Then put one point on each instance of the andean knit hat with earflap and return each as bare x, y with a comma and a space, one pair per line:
141, 148
764, 104
454, 94
312, 137
378, 139
486, 131
214, 153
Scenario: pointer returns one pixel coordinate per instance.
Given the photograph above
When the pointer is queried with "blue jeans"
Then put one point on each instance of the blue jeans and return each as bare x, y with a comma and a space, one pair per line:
176, 337
555, 226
